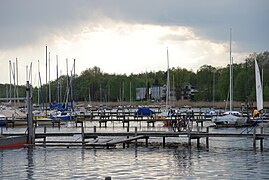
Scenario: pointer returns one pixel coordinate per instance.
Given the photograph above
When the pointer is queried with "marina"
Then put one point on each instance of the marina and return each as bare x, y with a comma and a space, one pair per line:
117, 90
96, 158
127, 137
121, 130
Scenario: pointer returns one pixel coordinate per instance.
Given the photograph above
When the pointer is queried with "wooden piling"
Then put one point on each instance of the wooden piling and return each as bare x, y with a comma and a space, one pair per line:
94, 130
207, 138
82, 134
261, 140
163, 142
254, 138
147, 141
44, 139
135, 136
189, 137
128, 130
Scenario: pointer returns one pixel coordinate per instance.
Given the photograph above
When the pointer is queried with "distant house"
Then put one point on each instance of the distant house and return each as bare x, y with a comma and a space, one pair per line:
141, 93
156, 93
188, 92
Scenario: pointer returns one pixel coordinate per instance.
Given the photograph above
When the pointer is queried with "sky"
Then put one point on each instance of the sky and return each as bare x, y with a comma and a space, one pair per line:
125, 37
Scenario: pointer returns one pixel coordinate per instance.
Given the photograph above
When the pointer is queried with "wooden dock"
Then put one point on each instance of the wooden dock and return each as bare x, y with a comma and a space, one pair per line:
94, 139
102, 120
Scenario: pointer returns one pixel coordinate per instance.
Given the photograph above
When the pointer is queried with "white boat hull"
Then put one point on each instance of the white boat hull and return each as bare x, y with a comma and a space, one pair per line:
229, 119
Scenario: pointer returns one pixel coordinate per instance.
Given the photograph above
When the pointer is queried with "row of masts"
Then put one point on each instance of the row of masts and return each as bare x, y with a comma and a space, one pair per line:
13, 91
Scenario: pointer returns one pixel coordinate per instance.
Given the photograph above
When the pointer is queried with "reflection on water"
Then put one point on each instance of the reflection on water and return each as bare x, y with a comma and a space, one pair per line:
231, 158
132, 163
30, 163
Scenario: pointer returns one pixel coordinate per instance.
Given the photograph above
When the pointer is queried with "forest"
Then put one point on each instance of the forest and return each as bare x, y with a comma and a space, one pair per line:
211, 83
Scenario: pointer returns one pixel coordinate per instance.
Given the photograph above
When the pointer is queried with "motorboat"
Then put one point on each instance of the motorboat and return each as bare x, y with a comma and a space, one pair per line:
230, 118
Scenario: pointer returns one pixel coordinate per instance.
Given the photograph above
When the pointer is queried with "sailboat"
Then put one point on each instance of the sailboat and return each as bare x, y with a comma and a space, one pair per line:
167, 113
8, 142
262, 120
230, 117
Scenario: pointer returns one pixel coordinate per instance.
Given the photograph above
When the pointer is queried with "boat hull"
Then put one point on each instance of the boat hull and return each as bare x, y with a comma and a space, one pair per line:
12, 142
229, 119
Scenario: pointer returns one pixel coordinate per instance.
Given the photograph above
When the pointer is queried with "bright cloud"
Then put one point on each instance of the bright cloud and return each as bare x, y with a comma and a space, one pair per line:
122, 48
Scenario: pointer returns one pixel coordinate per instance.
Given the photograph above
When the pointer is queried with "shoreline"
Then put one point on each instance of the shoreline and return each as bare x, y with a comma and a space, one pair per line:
179, 103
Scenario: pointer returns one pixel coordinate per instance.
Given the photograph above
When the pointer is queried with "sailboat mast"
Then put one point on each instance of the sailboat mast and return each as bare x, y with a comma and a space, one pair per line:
49, 81
130, 93
57, 77
231, 97
38, 96
46, 97
168, 84
10, 80
17, 77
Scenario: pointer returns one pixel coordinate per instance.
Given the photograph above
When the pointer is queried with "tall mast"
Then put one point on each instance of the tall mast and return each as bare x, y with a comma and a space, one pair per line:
46, 97
58, 90
14, 81
73, 82
30, 75
17, 77
67, 84
231, 90
49, 81
10, 80
168, 83
130, 93
38, 95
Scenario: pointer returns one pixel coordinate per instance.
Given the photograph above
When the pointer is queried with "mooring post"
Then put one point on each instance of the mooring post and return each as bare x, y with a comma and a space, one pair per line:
207, 138
31, 135
128, 130
94, 130
198, 141
107, 178
44, 139
189, 137
135, 136
254, 138
163, 141
261, 139
82, 134
147, 141
59, 124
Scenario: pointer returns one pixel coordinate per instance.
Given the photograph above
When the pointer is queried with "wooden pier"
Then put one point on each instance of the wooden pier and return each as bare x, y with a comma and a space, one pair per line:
101, 119
94, 139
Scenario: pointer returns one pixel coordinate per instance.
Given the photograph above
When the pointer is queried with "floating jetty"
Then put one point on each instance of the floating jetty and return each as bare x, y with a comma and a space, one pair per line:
103, 118
114, 139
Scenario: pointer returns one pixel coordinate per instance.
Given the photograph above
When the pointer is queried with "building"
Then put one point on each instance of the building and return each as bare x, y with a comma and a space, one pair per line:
156, 93
188, 92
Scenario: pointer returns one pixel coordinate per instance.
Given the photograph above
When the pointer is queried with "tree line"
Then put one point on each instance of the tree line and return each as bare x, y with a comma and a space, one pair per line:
211, 83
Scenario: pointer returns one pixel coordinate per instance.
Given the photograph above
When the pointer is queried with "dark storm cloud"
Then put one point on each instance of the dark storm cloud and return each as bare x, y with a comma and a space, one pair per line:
26, 22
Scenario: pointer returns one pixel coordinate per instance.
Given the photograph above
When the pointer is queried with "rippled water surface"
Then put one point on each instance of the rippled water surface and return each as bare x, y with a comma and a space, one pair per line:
232, 158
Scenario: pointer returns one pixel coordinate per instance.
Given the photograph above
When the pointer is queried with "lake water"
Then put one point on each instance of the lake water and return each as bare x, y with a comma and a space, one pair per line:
232, 158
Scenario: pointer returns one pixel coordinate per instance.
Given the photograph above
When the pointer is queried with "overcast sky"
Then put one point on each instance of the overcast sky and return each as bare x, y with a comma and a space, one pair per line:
121, 36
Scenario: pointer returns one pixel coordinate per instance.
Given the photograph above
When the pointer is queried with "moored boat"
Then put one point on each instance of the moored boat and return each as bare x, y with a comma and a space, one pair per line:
260, 119
230, 118
8, 142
